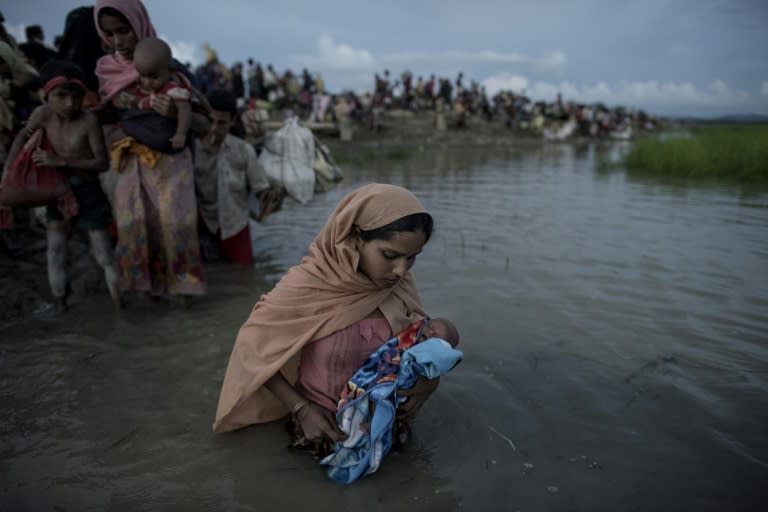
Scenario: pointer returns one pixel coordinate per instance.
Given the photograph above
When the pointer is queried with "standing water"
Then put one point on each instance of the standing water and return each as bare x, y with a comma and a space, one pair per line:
616, 358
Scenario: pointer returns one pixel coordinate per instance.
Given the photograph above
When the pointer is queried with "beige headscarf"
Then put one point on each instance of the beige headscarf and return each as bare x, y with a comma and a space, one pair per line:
321, 295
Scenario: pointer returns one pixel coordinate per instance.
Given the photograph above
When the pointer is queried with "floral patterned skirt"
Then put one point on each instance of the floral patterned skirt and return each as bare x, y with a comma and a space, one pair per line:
156, 215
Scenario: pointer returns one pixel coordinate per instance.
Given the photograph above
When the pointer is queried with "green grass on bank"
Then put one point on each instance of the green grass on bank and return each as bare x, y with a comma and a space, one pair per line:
733, 152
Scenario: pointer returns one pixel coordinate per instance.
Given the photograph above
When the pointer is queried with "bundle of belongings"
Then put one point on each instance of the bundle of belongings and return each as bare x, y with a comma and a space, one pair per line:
294, 159
288, 158
27, 184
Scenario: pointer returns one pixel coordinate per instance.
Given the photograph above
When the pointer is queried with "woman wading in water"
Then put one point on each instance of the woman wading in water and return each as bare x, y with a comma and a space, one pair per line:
308, 336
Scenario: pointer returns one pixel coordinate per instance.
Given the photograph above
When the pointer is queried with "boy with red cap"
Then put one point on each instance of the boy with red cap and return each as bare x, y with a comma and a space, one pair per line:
76, 148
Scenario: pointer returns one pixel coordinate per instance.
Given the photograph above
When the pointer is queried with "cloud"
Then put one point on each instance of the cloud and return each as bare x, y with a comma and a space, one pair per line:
554, 61
336, 56
718, 93
643, 94
506, 82
331, 55
344, 56
184, 51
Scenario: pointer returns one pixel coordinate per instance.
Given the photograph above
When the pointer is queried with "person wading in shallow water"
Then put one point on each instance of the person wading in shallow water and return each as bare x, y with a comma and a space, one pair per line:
226, 170
308, 336
77, 149
154, 196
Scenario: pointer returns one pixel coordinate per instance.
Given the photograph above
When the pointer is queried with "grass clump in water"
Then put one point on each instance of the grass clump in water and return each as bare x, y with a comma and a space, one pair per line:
725, 151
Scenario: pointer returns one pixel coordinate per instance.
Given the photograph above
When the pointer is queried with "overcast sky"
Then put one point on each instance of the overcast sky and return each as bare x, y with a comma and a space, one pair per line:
673, 57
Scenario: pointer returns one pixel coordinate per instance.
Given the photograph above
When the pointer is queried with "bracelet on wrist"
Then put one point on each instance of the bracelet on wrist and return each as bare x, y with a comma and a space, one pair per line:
298, 407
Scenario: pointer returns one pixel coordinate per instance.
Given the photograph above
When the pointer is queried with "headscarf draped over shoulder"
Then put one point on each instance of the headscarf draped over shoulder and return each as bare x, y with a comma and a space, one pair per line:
321, 295
114, 71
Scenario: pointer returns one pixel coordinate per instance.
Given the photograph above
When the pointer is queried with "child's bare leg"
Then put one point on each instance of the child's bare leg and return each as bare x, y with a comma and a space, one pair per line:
57, 260
102, 251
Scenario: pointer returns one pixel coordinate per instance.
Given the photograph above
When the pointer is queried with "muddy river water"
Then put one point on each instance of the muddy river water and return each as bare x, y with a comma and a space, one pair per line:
615, 333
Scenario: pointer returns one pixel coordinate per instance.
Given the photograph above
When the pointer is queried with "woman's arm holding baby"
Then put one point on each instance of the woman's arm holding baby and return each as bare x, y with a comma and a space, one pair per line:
417, 395
164, 104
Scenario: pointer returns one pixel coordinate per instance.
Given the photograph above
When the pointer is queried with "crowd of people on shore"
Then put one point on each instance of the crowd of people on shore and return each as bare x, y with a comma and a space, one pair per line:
265, 90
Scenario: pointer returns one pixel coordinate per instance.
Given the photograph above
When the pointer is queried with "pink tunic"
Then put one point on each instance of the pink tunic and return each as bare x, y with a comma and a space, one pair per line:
328, 363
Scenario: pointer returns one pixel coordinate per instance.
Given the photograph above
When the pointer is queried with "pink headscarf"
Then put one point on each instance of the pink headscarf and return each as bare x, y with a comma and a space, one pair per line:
114, 71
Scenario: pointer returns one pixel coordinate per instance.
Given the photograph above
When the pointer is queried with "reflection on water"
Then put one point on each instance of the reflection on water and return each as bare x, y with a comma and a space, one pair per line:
614, 334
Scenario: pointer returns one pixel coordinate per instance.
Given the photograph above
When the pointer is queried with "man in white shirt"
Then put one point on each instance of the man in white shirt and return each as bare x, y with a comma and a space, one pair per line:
227, 171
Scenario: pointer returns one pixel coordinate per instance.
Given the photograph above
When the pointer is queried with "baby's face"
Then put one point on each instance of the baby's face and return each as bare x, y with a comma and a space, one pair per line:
438, 329
153, 75
154, 80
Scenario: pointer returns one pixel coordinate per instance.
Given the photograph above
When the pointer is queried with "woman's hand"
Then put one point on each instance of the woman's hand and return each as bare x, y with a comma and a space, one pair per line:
417, 395
318, 422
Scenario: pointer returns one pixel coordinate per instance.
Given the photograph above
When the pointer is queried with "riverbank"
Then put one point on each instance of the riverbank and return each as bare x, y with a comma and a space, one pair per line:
422, 126
405, 135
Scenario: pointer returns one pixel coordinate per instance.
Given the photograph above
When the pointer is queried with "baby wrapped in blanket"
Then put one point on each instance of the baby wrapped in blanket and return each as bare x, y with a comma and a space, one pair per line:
367, 408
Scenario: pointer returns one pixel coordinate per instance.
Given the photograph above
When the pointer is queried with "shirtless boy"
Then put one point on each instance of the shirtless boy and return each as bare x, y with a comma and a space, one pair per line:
79, 152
